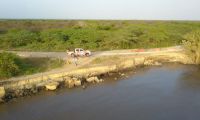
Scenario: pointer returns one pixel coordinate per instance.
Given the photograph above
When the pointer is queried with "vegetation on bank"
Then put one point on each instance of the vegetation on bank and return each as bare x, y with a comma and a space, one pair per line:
191, 43
59, 35
12, 65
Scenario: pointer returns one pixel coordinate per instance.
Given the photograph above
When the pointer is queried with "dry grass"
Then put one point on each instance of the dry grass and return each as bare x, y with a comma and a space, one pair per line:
110, 60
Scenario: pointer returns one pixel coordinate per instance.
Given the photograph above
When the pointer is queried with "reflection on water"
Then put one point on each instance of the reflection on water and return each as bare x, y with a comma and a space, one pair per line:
170, 92
191, 78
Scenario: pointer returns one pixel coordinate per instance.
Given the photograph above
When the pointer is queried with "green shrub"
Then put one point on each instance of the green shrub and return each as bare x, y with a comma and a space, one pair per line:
18, 38
8, 65
35, 65
192, 45
12, 65
104, 27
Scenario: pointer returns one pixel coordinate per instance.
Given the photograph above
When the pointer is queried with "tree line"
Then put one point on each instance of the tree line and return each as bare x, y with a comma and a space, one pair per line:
55, 35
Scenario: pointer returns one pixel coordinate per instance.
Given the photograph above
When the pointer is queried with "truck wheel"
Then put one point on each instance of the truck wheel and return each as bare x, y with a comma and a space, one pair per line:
87, 54
72, 55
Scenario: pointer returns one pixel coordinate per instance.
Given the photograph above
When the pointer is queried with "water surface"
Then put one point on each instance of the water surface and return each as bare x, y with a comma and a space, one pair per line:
170, 92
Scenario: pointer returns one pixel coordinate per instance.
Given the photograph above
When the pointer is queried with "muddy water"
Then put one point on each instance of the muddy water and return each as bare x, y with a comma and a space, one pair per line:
170, 92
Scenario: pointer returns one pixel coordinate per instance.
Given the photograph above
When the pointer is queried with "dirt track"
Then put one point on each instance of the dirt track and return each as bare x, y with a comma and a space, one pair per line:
63, 55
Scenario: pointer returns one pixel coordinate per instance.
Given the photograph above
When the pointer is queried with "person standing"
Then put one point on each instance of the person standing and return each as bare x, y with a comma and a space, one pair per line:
75, 59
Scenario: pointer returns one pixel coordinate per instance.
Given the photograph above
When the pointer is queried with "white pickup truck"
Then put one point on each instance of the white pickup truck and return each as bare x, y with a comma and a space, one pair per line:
79, 52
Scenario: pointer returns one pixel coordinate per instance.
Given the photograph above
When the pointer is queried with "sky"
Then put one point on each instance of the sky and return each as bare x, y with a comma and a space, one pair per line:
101, 9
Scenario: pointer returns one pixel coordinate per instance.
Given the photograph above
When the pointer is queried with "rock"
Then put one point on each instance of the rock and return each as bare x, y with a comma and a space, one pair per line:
96, 80
151, 62
101, 80
10, 95
52, 85
157, 64
34, 90
19, 93
69, 83
2, 92
91, 79
122, 74
84, 86
27, 92
77, 82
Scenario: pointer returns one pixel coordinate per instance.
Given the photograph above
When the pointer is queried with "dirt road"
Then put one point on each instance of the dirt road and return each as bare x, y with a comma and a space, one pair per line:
63, 55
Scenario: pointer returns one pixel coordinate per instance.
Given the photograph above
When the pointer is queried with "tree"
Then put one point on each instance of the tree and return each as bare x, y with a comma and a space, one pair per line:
191, 44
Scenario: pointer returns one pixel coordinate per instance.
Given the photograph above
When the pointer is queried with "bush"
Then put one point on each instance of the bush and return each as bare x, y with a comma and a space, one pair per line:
8, 65
104, 27
192, 45
11, 65
18, 38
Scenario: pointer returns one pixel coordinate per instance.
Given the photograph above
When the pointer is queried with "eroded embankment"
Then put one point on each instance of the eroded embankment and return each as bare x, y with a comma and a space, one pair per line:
23, 87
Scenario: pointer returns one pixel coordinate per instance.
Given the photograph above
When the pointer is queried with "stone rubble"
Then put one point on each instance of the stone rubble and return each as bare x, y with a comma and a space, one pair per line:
94, 80
51, 86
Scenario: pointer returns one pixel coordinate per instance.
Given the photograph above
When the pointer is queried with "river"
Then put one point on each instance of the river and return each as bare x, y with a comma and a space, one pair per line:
169, 92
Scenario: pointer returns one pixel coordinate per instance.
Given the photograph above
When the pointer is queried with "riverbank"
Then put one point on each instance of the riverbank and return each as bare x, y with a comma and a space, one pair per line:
91, 73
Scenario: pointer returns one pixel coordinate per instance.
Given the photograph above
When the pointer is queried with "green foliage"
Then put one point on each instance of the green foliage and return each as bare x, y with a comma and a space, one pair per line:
11, 65
192, 45
18, 38
8, 65
104, 27
36, 65
55, 35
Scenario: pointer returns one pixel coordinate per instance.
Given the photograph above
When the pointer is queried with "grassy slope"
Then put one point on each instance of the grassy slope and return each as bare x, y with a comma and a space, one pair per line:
36, 65
28, 66
59, 35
